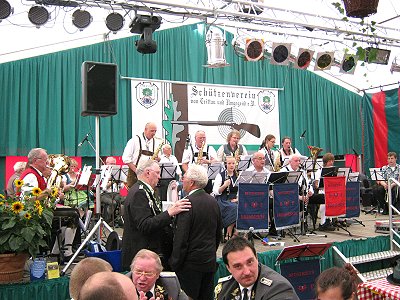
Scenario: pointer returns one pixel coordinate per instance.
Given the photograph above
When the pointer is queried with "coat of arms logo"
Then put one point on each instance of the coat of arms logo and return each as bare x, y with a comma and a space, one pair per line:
147, 94
266, 101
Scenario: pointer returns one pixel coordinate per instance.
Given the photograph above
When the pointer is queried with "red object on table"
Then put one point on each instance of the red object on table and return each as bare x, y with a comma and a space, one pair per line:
378, 289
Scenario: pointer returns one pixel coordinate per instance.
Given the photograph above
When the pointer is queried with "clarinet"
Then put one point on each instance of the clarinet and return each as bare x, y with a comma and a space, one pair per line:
228, 190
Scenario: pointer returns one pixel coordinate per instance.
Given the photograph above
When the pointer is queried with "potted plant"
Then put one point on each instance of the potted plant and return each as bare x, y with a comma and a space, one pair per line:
25, 226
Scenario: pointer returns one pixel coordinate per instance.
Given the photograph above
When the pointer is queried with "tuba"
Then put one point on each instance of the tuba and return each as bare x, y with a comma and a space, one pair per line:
60, 165
314, 151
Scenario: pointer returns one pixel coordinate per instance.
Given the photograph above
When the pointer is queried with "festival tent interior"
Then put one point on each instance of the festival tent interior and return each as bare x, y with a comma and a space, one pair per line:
346, 103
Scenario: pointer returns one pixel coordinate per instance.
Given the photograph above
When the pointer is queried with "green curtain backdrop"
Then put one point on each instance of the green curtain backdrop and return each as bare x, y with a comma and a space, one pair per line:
41, 96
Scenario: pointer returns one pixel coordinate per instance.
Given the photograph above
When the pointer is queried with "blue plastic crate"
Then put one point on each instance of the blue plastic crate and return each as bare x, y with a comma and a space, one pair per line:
113, 257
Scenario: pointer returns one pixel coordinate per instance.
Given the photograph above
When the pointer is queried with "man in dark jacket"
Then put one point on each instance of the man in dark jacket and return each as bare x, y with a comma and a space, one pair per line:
196, 237
146, 225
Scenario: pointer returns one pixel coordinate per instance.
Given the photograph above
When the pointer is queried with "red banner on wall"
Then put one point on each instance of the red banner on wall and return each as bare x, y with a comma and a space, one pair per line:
335, 196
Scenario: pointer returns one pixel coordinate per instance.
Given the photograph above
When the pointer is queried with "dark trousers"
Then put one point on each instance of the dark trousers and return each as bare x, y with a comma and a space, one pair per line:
197, 285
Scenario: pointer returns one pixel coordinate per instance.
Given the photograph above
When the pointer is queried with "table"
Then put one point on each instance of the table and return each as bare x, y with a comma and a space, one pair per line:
378, 289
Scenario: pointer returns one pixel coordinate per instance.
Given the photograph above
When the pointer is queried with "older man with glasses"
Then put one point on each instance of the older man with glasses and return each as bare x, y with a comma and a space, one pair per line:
146, 269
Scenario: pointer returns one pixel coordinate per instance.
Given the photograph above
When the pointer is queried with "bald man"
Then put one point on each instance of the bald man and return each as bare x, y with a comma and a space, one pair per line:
108, 285
139, 148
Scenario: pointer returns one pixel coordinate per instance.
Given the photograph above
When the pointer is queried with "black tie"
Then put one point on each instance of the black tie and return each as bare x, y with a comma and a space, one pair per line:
149, 295
245, 296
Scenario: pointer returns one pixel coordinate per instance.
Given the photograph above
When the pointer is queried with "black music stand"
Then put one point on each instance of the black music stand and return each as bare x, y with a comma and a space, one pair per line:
119, 175
293, 176
376, 175
302, 255
168, 171
278, 177
214, 169
343, 172
244, 177
244, 163
327, 172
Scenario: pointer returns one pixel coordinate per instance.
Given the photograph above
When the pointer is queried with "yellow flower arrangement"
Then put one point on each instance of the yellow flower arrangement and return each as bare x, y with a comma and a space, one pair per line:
25, 221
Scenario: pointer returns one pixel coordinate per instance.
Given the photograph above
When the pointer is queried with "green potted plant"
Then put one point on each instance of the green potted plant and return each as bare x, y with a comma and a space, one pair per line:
25, 226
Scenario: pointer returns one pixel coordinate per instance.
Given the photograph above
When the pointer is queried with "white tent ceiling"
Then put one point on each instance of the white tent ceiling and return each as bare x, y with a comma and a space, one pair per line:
280, 21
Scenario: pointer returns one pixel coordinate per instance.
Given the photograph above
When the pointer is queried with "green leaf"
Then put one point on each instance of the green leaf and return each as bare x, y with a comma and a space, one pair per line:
4, 237
354, 44
10, 224
15, 243
27, 234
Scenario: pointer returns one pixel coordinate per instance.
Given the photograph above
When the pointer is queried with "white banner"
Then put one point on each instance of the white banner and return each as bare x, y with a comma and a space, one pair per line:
180, 109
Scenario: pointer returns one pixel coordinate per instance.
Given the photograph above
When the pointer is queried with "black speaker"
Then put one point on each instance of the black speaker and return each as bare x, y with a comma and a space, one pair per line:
99, 89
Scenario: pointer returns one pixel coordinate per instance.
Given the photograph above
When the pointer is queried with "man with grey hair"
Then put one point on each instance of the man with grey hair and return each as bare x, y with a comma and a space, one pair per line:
19, 167
197, 235
146, 225
146, 274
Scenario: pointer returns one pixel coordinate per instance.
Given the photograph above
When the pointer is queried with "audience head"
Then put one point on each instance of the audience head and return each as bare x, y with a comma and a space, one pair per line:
294, 161
328, 159
286, 143
19, 166
37, 158
149, 171
337, 283
83, 270
240, 258
199, 138
146, 268
111, 161
392, 157
106, 286
258, 161
233, 137
150, 130
195, 178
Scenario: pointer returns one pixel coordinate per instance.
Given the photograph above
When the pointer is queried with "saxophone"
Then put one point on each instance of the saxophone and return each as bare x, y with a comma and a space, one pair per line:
155, 154
277, 163
200, 155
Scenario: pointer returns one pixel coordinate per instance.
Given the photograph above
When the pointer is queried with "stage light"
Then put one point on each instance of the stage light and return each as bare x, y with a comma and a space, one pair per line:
81, 19
145, 25
395, 67
304, 58
5, 9
114, 22
280, 54
215, 43
254, 49
324, 61
377, 56
38, 15
349, 64
252, 9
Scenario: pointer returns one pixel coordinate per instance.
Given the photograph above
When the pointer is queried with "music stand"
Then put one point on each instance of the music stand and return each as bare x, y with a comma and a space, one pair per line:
327, 172
214, 169
259, 177
293, 176
119, 175
376, 174
278, 177
244, 163
301, 258
168, 171
343, 172
244, 177
353, 176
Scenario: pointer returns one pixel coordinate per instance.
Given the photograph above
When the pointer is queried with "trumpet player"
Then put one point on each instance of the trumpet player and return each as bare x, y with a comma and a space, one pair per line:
200, 153
232, 148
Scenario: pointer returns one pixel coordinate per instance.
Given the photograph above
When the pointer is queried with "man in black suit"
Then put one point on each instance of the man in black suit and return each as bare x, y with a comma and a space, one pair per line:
146, 225
196, 237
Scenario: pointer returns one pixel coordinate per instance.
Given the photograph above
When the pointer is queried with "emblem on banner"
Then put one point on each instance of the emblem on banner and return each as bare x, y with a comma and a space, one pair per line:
266, 101
147, 94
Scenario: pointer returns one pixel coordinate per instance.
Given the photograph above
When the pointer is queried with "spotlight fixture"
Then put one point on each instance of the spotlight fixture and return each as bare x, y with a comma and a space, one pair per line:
324, 61
395, 67
304, 58
349, 64
280, 54
5, 9
252, 9
114, 22
38, 15
254, 49
81, 19
377, 56
215, 43
145, 25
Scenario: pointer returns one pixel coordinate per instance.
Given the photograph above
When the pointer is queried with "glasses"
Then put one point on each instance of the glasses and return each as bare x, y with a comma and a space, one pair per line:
145, 274
259, 158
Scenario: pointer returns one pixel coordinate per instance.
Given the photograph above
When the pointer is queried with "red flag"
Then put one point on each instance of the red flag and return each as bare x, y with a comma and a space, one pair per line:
335, 196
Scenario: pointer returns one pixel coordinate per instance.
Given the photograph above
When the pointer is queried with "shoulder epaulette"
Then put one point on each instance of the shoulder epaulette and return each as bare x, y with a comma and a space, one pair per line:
223, 279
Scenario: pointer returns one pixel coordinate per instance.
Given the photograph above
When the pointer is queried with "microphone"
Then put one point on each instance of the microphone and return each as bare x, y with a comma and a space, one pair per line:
355, 152
84, 140
303, 134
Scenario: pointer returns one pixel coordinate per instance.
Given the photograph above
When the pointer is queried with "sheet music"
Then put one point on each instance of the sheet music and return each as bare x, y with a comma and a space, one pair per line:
244, 162
214, 169
259, 177
85, 175
343, 172
244, 177
353, 176
376, 174
105, 176
293, 176
119, 173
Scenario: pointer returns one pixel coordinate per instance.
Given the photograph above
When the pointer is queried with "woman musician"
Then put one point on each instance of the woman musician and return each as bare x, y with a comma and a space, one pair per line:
226, 194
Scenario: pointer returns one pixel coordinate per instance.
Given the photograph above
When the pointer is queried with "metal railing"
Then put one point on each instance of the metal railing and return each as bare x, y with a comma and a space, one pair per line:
392, 183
